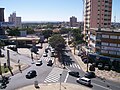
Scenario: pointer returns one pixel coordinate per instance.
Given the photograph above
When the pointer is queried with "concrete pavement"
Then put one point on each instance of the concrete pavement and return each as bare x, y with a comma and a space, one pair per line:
14, 65
56, 86
110, 75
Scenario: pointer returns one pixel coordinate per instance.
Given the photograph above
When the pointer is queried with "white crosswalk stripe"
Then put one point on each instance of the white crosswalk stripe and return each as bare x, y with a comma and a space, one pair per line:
54, 75
78, 66
74, 65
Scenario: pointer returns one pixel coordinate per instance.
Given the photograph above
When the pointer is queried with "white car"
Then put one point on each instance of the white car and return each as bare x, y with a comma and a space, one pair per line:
39, 63
84, 81
44, 54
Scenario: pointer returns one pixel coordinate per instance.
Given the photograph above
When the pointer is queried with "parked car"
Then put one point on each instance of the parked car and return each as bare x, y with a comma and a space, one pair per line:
12, 47
90, 75
107, 67
39, 63
50, 63
84, 81
2, 55
46, 50
31, 74
79, 53
44, 54
74, 73
83, 57
85, 61
100, 66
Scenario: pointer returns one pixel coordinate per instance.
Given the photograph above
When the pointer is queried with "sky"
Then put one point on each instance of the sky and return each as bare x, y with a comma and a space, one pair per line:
50, 10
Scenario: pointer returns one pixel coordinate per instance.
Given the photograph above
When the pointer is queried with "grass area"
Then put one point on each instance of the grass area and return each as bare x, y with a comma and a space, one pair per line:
5, 70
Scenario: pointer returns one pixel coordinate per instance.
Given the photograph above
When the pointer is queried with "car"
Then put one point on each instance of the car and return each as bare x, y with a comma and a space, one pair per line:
2, 55
39, 63
12, 47
83, 57
49, 63
100, 66
74, 73
85, 60
84, 81
31, 74
90, 75
79, 53
107, 67
44, 54
46, 50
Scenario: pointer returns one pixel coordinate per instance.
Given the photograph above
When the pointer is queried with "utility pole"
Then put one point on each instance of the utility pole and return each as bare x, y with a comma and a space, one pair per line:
0, 69
8, 62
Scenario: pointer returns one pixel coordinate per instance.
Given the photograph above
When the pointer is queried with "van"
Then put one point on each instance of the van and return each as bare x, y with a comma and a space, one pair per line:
84, 81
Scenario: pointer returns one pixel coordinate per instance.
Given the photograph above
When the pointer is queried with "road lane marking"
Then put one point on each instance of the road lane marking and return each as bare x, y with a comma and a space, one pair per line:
54, 75
78, 66
75, 65
102, 86
66, 78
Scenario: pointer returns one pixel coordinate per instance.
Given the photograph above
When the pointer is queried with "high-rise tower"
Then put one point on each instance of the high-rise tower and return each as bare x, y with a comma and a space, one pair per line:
1, 14
73, 21
97, 14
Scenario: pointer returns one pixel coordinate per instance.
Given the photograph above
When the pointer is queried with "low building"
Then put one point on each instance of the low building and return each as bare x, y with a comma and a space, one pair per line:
105, 41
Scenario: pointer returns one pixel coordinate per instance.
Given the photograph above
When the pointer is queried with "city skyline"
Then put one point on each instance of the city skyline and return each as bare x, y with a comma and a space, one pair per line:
50, 10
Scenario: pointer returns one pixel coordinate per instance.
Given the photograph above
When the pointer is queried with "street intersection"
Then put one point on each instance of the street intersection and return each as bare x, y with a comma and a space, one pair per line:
47, 74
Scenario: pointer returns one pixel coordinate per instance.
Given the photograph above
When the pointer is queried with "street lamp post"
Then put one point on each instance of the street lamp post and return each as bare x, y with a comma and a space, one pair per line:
60, 81
87, 61
32, 57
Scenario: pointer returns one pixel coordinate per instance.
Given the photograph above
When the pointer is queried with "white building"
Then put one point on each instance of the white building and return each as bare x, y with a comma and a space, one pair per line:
15, 20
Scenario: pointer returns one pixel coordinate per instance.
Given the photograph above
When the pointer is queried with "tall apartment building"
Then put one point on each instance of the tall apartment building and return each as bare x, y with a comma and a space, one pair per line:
2, 31
97, 14
1, 14
15, 20
73, 21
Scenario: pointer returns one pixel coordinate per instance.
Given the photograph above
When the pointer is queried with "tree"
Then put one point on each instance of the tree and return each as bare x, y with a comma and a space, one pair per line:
57, 42
47, 33
65, 30
13, 32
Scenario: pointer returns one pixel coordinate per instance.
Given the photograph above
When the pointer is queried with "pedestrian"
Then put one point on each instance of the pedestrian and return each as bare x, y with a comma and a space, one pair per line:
19, 66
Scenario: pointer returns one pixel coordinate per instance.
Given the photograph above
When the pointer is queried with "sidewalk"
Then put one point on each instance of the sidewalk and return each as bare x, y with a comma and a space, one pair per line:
111, 75
14, 65
56, 86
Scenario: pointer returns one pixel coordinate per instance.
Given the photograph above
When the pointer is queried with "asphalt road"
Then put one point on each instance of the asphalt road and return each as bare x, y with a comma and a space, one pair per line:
46, 74
98, 84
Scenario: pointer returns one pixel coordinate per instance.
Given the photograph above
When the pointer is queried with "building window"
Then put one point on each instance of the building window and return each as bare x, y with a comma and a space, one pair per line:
112, 44
118, 45
103, 51
112, 52
105, 36
118, 53
105, 23
113, 37
104, 44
